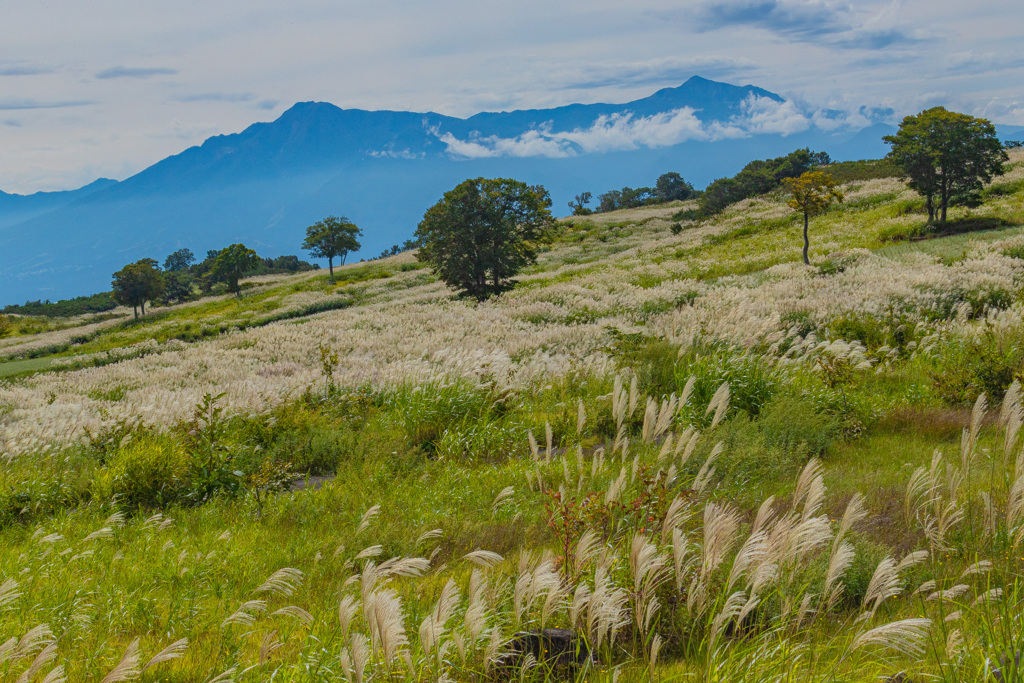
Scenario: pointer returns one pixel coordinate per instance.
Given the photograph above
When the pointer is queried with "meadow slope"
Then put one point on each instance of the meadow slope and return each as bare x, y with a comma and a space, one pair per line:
710, 460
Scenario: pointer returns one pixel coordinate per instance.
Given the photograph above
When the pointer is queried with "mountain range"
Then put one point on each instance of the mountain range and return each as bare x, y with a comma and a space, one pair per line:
383, 169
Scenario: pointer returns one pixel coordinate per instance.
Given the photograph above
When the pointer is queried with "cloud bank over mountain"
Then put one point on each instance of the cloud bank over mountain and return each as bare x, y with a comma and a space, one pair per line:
624, 131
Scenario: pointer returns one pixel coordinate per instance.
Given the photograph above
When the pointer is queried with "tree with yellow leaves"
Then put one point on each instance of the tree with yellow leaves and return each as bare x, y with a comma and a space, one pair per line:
812, 194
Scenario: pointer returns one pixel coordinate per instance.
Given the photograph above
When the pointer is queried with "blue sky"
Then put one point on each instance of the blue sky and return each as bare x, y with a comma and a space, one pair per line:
108, 87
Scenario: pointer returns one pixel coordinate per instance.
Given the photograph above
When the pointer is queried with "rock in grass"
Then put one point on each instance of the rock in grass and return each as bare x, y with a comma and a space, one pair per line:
555, 648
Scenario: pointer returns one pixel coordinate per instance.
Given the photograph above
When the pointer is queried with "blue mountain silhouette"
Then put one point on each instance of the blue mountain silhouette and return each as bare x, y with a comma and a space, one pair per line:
382, 169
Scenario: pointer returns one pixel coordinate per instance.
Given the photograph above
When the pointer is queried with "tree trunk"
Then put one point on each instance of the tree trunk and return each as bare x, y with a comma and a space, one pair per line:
136, 309
343, 255
143, 308
931, 209
807, 242
944, 199
330, 265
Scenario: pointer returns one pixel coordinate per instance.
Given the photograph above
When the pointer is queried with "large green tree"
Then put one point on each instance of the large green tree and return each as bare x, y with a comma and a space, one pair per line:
179, 260
811, 194
137, 283
946, 157
332, 237
671, 187
232, 264
483, 232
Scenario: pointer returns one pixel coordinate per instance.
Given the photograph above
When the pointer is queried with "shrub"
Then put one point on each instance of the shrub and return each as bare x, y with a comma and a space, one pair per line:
968, 367
145, 473
484, 439
895, 330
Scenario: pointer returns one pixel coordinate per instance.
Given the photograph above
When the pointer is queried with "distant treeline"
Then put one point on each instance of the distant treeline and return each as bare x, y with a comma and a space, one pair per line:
669, 187
66, 308
185, 278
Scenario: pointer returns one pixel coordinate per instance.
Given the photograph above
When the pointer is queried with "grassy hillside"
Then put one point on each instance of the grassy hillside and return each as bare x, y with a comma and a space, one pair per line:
710, 460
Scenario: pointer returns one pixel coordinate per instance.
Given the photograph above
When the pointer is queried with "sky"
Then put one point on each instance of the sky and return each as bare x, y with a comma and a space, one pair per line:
106, 88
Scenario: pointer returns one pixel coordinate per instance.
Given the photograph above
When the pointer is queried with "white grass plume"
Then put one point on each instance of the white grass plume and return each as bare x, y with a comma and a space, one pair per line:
706, 472
172, 651
484, 558
45, 656
246, 614
429, 536
905, 636
367, 519
719, 403
503, 495
282, 582
128, 668
370, 551
434, 624
295, 612
348, 606
8, 593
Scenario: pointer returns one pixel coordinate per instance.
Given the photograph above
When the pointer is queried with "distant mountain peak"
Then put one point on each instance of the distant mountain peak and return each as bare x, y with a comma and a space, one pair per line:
263, 185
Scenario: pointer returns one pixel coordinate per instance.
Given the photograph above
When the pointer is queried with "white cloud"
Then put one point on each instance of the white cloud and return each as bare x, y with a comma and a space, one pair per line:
764, 115
621, 132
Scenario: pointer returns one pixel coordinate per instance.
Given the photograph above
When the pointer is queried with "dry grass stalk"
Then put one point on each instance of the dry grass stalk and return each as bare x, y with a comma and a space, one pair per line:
905, 636
128, 668
282, 582
367, 519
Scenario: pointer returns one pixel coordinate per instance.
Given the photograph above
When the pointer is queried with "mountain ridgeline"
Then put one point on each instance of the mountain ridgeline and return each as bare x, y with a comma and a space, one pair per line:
383, 169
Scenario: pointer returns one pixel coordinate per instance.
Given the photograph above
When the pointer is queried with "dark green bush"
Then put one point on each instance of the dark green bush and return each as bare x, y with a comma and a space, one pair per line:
147, 472
965, 368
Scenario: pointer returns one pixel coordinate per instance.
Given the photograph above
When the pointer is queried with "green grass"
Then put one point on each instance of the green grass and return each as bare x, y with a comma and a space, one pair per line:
13, 368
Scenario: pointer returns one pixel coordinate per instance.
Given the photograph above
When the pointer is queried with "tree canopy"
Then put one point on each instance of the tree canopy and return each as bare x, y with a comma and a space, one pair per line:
232, 264
758, 177
811, 194
671, 187
331, 237
946, 157
483, 232
137, 283
179, 260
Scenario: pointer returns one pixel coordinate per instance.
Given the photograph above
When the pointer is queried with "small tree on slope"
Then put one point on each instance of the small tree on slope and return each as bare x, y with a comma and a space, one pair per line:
811, 194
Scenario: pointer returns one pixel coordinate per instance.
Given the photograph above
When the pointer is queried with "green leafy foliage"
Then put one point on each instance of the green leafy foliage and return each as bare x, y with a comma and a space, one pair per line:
482, 233
946, 157
332, 237
137, 283
757, 178
231, 264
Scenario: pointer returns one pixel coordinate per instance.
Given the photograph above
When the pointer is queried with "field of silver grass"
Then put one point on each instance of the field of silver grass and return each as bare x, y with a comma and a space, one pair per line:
697, 589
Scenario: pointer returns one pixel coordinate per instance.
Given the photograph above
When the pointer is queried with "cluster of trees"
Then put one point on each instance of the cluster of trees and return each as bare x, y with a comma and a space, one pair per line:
757, 178
484, 231
668, 188
183, 274
945, 156
396, 249
183, 277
